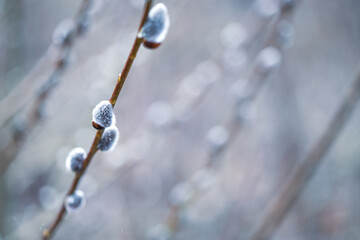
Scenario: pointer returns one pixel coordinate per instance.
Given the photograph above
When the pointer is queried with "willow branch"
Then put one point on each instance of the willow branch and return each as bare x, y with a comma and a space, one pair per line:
48, 233
300, 177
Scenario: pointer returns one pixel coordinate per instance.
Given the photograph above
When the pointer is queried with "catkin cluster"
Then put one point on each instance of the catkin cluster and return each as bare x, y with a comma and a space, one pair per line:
103, 118
153, 33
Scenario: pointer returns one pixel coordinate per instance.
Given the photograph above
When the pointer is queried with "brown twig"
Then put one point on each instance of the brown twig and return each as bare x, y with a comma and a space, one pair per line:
301, 175
48, 233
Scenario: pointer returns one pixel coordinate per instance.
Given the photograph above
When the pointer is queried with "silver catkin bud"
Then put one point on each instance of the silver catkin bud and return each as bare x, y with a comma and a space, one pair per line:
181, 194
217, 138
268, 60
156, 26
109, 139
64, 32
103, 115
75, 202
75, 159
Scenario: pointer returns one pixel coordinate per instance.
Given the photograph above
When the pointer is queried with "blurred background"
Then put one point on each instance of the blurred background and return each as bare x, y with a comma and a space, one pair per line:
211, 122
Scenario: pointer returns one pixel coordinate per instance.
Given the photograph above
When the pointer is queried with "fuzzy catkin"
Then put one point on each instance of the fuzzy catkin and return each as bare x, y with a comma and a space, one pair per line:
103, 114
75, 202
75, 159
109, 139
157, 25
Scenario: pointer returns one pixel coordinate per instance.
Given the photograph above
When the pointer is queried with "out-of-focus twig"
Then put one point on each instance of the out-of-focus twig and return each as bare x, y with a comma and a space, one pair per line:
24, 91
21, 100
29, 111
255, 82
280, 205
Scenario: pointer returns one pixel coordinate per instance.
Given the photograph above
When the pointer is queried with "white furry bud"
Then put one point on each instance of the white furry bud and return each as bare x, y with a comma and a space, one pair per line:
103, 115
217, 138
241, 90
75, 202
64, 32
75, 159
268, 60
233, 35
156, 26
109, 139
267, 8
286, 34
181, 194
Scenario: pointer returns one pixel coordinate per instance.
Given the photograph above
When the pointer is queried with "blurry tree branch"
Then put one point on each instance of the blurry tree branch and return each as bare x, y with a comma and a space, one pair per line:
25, 112
258, 76
25, 90
19, 111
282, 202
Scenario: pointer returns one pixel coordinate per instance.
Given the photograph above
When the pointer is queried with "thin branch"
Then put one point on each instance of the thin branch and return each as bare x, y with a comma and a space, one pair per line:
122, 77
24, 91
300, 177
48, 233
31, 115
256, 81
